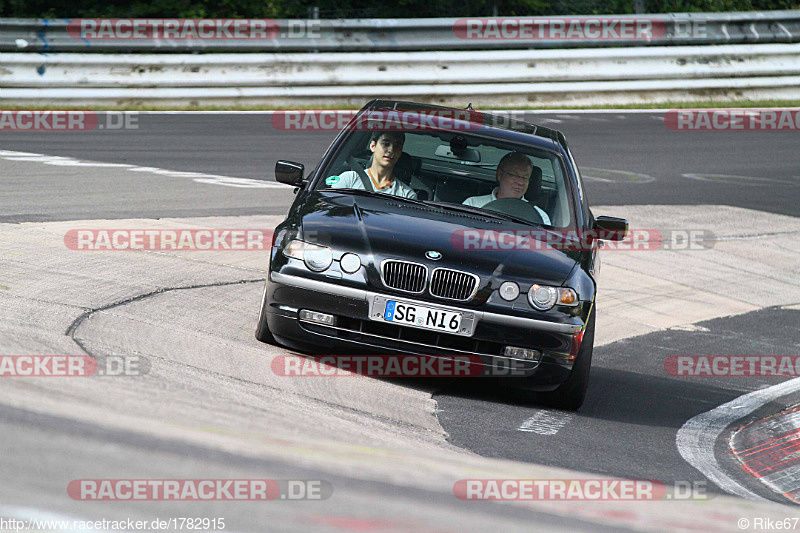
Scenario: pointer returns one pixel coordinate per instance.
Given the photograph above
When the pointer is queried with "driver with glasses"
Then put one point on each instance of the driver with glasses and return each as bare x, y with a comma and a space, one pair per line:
513, 178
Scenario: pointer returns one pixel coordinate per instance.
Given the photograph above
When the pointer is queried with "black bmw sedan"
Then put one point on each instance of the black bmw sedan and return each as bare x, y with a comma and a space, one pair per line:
442, 232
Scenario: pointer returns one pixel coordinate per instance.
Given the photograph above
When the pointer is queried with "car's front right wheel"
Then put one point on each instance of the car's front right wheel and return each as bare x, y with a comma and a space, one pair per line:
570, 394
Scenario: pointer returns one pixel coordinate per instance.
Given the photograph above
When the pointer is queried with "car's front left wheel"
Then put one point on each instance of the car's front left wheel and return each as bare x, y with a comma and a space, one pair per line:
262, 328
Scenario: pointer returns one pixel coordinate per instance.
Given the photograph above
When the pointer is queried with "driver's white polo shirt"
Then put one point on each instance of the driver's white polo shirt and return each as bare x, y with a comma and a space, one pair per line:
480, 201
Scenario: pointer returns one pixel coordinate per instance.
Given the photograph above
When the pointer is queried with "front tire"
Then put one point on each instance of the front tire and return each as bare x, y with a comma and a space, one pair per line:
262, 328
570, 394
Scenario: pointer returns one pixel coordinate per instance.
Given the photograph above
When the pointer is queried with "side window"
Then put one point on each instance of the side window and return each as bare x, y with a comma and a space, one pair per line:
584, 205
577, 173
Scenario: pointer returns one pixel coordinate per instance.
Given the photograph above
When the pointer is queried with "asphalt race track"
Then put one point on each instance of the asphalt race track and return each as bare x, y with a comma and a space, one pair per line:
751, 169
206, 403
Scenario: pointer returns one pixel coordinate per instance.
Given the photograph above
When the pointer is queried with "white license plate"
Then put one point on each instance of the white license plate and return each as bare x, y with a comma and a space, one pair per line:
422, 317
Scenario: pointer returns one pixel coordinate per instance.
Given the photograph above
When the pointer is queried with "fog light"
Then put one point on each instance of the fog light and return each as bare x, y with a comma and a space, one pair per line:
509, 291
319, 318
350, 263
523, 353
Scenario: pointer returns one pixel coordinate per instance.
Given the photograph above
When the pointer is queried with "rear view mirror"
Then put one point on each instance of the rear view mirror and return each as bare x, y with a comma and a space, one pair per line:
611, 228
290, 173
467, 154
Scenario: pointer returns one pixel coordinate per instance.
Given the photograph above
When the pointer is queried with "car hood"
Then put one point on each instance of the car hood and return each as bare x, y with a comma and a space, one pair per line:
384, 228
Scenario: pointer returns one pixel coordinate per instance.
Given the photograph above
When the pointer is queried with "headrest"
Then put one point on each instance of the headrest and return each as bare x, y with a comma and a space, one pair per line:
409, 164
535, 185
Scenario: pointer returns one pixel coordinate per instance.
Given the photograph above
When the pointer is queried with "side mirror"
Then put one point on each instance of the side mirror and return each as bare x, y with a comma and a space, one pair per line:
290, 173
611, 228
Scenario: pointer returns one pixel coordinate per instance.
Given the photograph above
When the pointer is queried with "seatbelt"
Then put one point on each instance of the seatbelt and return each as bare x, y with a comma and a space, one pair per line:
361, 174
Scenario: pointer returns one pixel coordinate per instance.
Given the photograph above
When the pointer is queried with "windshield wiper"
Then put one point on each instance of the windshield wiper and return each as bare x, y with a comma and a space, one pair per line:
444, 205
482, 212
374, 194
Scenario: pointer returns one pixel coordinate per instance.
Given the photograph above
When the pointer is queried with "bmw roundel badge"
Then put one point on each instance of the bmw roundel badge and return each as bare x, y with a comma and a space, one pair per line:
433, 255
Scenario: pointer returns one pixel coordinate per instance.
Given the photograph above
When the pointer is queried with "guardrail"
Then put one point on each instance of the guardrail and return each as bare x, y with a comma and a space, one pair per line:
385, 70
56, 35
515, 77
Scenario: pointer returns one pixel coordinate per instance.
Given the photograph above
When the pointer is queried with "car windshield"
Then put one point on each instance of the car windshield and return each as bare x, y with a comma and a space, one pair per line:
455, 170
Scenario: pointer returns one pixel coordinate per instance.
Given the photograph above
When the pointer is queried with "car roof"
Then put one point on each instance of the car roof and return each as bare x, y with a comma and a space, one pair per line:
521, 128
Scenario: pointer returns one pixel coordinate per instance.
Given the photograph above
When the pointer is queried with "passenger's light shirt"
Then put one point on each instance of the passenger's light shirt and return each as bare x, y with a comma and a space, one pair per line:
480, 201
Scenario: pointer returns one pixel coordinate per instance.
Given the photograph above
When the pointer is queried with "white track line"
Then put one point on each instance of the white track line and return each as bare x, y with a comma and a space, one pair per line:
199, 177
545, 422
697, 436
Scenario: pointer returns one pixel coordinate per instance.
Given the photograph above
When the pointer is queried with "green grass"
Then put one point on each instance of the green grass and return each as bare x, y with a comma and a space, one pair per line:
700, 104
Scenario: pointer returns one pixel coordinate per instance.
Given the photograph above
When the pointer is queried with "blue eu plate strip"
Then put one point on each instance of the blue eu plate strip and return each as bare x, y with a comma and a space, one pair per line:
389, 313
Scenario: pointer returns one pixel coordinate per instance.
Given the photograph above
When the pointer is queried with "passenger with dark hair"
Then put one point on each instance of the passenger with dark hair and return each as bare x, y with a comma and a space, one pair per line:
386, 148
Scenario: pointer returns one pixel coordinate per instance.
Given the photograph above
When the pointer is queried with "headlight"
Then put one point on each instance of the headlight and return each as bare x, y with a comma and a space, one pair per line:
543, 297
316, 258
294, 249
509, 291
350, 263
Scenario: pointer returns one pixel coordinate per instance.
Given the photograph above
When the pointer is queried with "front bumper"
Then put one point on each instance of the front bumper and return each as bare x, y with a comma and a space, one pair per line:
355, 330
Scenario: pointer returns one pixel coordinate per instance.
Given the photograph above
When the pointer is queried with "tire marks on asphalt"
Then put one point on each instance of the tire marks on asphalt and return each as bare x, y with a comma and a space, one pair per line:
769, 450
697, 437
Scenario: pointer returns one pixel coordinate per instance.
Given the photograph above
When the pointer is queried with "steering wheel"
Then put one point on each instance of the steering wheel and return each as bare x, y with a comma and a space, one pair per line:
516, 207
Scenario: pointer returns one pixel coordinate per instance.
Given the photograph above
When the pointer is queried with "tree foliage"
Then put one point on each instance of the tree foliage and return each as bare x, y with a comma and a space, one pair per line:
362, 9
